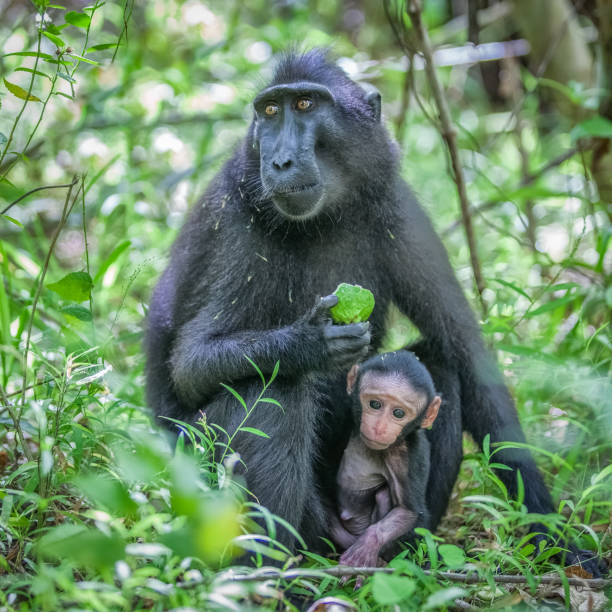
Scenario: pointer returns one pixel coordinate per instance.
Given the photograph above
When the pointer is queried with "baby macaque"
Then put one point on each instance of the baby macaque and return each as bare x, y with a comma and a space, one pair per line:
383, 474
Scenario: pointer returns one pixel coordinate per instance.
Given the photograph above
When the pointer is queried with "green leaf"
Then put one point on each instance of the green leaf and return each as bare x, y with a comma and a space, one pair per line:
86, 546
235, 394
511, 286
3, 138
270, 400
452, 555
17, 223
78, 312
80, 20
84, 59
111, 259
259, 372
30, 54
355, 304
598, 126
36, 72
552, 305
257, 432
75, 287
20, 92
56, 40
561, 287
389, 590
66, 77
102, 47
443, 596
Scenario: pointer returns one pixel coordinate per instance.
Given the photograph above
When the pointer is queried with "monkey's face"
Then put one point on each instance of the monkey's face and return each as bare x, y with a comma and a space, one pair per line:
388, 404
295, 124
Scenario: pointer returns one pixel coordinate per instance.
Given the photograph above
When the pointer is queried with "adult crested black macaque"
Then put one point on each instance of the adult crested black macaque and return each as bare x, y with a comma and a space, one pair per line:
312, 198
384, 470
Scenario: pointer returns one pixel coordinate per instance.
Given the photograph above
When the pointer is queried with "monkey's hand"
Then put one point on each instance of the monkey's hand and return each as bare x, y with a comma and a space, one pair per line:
344, 345
363, 553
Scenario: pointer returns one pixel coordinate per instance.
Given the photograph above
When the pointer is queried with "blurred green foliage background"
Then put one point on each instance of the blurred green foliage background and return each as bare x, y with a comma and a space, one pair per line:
137, 105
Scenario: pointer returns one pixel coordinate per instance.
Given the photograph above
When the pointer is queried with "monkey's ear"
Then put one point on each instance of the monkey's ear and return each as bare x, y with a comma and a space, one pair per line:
373, 99
432, 412
351, 378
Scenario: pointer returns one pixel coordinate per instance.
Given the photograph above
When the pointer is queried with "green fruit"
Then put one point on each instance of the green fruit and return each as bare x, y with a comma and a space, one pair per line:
355, 304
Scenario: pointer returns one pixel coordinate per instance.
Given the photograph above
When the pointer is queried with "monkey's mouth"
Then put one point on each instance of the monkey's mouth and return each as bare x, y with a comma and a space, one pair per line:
299, 202
373, 444
290, 189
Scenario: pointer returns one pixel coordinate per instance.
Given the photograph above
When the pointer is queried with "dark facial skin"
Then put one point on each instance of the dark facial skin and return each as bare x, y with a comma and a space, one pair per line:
291, 127
375, 504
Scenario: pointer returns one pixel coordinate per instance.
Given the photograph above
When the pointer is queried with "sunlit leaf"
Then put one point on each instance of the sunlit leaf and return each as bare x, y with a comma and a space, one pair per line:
17, 223
56, 40
80, 20
111, 259
102, 47
20, 92
552, 305
598, 126
84, 59
75, 287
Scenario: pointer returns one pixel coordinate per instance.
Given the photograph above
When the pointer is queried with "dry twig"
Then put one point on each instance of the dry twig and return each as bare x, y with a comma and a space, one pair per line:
414, 9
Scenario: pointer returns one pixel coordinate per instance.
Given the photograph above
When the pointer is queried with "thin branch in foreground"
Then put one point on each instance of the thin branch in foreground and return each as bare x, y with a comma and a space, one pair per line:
341, 571
526, 180
68, 205
414, 10
29, 193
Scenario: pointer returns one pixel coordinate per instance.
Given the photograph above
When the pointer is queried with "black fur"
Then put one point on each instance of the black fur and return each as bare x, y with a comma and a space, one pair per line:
242, 279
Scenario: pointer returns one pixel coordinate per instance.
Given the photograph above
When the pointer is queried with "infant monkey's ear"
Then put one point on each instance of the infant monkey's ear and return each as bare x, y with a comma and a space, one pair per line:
351, 379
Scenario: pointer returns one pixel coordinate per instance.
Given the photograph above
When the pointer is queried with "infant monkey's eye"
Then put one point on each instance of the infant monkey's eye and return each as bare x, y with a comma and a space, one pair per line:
375, 404
399, 414
271, 109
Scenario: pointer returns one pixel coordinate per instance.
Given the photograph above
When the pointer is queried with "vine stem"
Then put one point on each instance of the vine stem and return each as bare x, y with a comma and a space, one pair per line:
65, 212
414, 10
27, 98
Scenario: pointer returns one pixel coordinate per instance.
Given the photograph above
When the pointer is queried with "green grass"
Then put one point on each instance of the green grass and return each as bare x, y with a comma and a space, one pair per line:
99, 510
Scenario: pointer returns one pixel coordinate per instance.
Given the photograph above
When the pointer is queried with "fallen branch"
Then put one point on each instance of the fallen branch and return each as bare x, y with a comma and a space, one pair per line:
341, 571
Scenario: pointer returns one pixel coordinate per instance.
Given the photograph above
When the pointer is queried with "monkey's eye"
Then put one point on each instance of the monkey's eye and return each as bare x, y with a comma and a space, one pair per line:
271, 109
375, 404
304, 104
399, 414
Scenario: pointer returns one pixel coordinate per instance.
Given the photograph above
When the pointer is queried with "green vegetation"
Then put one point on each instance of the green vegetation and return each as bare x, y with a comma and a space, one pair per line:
113, 119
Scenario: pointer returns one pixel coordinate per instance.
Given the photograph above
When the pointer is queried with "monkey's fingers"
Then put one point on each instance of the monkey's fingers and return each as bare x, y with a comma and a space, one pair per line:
353, 330
320, 312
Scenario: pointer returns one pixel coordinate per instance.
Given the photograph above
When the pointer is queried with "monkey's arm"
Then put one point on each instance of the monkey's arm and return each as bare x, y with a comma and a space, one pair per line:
202, 358
343, 538
366, 550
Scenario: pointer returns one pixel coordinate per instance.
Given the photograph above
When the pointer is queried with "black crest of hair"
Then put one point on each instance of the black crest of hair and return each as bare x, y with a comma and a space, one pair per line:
312, 198
405, 365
